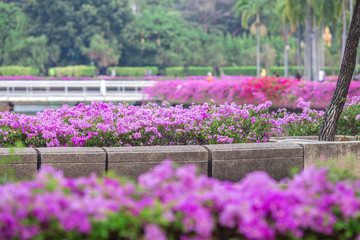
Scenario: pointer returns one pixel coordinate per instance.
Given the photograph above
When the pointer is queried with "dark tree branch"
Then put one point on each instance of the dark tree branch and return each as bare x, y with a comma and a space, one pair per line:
335, 108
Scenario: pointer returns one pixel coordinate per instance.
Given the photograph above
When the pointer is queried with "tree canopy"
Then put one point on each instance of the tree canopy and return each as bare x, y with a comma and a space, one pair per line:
45, 33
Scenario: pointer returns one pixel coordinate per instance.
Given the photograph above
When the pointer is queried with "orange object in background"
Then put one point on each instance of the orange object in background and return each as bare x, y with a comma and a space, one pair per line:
209, 77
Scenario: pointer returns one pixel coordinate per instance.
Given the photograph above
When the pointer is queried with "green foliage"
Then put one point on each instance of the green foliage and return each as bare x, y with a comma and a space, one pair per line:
340, 171
280, 70
30, 51
199, 71
348, 123
103, 52
70, 26
245, 70
175, 71
332, 70
165, 33
17, 48
75, 71
134, 71
309, 126
7, 173
17, 71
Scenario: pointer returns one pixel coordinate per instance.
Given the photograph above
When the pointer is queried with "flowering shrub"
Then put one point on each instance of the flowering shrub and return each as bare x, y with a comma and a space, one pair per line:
102, 124
306, 123
249, 90
105, 77
349, 122
176, 203
106, 124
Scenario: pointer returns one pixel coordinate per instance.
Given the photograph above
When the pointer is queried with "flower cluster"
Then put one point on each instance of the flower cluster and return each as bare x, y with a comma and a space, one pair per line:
282, 92
106, 124
176, 203
105, 77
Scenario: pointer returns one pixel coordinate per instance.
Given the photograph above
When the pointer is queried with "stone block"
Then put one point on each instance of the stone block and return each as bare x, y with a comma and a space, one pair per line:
232, 162
344, 154
75, 161
134, 161
277, 139
21, 164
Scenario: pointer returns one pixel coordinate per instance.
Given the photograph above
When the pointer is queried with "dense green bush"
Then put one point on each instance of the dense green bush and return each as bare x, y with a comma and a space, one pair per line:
18, 71
281, 70
331, 71
251, 70
175, 71
199, 71
134, 71
243, 70
75, 71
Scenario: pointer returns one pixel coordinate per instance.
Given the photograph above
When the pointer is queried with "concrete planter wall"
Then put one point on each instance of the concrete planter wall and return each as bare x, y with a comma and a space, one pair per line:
229, 162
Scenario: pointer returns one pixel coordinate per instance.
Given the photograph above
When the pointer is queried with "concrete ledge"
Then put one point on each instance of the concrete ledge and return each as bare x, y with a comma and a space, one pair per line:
133, 161
313, 138
24, 166
232, 162
229, 162
74, 161
318, 152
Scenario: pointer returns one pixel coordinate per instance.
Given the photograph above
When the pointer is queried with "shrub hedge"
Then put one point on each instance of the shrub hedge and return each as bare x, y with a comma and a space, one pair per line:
243, 70
190, 71
175, 71
75, 71
18, 71
134, 71
251, 70
89, 71
199, 71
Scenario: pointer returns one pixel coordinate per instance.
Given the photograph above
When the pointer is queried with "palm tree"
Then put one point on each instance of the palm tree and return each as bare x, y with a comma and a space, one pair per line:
318, 12
249, 8
291, 12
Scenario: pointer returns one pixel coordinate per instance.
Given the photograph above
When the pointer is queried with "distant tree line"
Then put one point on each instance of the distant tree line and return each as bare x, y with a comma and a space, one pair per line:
167, 33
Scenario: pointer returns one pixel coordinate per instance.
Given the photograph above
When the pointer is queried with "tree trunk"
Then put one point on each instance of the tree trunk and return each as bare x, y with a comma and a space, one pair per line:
314, 53
323, 48
258, 45
299, 49
357, 64
351, 9
344, 31
286, 52
334, 110
308, 43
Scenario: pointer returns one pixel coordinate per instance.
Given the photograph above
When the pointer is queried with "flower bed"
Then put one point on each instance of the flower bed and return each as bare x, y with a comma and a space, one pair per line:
106, 124
105, 77
170, 203
248, 90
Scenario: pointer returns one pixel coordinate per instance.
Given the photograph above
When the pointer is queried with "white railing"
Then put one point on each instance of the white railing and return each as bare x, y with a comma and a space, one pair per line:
72, 91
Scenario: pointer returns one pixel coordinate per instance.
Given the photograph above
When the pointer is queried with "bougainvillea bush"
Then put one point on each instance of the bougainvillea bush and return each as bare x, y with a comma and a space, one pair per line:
107, 124
176, 203
282, 92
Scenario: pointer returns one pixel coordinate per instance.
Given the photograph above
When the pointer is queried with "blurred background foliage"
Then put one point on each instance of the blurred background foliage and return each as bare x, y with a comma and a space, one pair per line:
171, 33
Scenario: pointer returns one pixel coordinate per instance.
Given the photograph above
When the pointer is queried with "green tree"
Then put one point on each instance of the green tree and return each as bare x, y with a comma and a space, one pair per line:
249, 8
16, 47
12, 22
29, 51
70, 25
102, 51
159, 35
